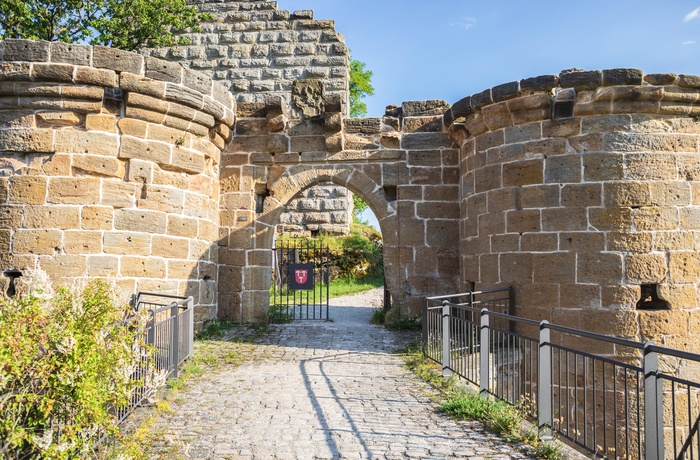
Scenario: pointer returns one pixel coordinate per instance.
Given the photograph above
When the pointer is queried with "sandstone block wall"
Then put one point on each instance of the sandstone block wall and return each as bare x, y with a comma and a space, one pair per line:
324, 208
404, 166
580, 188
259, 51
108, 170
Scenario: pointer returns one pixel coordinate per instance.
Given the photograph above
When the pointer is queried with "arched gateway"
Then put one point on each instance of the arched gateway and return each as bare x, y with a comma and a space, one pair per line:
581, 190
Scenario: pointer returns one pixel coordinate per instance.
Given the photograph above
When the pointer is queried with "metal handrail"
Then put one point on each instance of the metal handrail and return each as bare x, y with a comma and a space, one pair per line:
474, 293
484, 347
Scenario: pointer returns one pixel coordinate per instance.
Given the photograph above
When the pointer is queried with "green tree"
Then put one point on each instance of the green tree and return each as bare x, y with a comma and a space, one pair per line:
125, 24
360, 86
133, 24
359, 207
53, 20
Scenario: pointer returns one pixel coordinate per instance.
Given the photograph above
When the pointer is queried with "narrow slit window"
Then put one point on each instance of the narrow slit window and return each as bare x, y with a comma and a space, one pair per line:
650, 299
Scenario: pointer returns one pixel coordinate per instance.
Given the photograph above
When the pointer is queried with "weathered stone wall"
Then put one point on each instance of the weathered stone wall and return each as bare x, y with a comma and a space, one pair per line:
580, 198
403, 165
261, 51
109, 170
324, 208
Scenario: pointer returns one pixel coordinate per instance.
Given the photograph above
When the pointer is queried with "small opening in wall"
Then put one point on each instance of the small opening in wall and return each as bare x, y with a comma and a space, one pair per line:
260, 196
390, 192
13, 274
315, 233
650, 299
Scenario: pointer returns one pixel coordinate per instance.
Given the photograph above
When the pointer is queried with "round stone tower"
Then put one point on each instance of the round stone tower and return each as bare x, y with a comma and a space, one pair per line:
582, 190
110, 168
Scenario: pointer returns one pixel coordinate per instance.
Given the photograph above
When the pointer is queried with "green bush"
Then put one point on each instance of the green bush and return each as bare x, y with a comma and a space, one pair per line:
357, 256
66, 362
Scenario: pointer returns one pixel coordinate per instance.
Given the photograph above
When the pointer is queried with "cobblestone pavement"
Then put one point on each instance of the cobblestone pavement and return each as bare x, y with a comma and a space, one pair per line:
323, 390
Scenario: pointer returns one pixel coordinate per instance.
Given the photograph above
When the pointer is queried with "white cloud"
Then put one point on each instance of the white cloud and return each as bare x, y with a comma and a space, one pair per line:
689, 42
692, 15
466, 23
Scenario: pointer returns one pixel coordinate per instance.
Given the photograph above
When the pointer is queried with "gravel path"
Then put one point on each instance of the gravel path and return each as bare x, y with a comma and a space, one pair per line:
315, 390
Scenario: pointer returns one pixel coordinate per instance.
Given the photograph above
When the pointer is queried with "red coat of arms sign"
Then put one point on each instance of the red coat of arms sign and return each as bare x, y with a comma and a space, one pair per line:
301, 277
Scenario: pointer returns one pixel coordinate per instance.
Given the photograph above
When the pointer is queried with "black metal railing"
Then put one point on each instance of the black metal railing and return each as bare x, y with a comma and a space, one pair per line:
607, 395
168, 341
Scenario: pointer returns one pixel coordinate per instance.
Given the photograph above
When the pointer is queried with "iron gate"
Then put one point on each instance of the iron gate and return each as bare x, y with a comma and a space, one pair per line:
300, 277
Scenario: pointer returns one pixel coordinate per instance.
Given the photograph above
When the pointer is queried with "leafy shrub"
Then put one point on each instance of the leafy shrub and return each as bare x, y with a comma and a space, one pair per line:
357, 256
66, 361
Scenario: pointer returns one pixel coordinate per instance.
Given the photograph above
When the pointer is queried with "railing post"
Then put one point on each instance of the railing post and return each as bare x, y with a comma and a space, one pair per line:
190, 319
151, 329
446, 372
484, 350
174, 338
544, 382
653, 406
424, 324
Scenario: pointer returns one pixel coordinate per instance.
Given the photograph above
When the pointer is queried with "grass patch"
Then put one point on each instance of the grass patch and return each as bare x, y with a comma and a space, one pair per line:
497, 416
426, 369
347, 286
214, 329
337, 288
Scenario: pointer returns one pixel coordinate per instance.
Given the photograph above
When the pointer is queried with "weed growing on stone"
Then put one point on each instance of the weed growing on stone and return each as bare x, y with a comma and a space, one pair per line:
400, 324
378, 317
214, 330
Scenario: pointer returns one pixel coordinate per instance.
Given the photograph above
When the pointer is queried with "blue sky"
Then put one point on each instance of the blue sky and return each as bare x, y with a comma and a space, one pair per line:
448, 49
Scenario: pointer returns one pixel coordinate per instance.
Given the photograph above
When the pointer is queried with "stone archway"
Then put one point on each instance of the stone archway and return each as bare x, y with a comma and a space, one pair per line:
297, 179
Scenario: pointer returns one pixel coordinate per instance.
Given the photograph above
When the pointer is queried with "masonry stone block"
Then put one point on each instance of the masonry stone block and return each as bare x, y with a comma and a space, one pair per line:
519, 173
516, 268
170, 247
599, 268
142, 267
27, 140
656, 218
645, 268
36, 241
539, 196
664, 322
84, 190
521, 221
107, 266
684, 267
604, 219
140, 220
27, 189
96, 217
94, 143
59, 217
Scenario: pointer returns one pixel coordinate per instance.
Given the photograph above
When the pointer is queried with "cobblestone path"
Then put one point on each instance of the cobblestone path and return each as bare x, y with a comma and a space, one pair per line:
324, 390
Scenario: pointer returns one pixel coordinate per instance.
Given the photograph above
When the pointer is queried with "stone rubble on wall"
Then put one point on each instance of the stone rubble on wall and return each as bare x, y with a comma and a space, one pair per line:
261, 51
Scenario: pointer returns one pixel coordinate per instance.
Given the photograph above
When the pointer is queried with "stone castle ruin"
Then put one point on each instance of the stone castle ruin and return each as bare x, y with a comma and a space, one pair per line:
168, 171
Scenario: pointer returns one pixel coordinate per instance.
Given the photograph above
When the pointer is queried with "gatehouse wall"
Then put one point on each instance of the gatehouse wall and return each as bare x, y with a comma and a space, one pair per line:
403, 165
